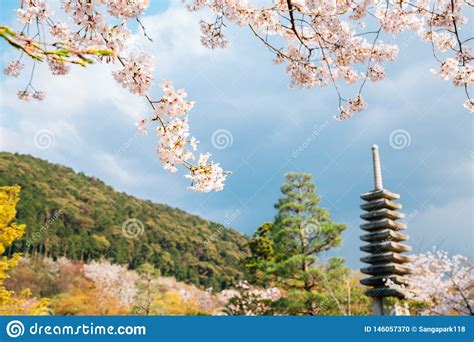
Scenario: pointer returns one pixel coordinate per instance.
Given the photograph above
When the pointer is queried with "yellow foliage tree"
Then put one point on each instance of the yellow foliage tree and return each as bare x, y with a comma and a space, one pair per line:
87, 301
10, 302
170, 303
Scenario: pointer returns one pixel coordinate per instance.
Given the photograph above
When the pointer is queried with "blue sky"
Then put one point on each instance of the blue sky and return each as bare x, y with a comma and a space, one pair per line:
240, 90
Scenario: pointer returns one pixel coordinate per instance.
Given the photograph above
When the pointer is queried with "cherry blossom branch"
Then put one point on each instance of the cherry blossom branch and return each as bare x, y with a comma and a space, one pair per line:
93, 39
334, 29
293, 26
463, 296
143, 29
61, 52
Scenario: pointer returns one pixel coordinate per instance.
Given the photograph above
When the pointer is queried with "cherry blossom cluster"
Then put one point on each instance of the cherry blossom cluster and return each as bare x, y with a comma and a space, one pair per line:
115, 280
355, 105
176, 146
335, 42
136, 74
445, 284
206, 176
126, 8
33, 11
27, 96
246, 300
13, 68
88, 32
212, 36
89, 36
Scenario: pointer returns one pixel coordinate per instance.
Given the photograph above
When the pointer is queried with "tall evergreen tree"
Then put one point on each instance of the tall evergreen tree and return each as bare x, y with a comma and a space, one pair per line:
262, 254
147, 287
301, 230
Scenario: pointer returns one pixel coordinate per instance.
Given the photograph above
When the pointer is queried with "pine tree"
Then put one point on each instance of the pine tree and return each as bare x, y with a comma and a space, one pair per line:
261, 254
301, 230
148, 289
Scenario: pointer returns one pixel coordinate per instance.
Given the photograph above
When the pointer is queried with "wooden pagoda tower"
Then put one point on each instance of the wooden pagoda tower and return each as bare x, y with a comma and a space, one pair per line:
383, 237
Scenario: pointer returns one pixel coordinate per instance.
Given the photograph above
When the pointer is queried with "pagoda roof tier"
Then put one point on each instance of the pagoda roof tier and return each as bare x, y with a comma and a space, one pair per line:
386, 270
386, 246
384, 258
384, 235
383, 292
381, 203
381, 214
378, 194
381, 280
383, 224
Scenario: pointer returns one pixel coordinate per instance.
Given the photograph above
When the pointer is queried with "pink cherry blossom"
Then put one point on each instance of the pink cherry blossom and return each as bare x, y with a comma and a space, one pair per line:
114, 280
127, 8
212, 36
469, 105
136, 74
24, 95
141, 126
448, 69
323, 42
443, 283
39, 95
464, 76
58, 67
206, 176
357, 104
61, 31
13, 68
249, 300
32, 11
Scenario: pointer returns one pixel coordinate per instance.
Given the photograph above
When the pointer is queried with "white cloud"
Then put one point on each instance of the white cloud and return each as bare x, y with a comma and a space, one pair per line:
9, 139
176, 41
38, 138
73, 95
115, 169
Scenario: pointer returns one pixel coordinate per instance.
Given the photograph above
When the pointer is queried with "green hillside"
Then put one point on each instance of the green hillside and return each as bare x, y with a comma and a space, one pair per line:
73, 215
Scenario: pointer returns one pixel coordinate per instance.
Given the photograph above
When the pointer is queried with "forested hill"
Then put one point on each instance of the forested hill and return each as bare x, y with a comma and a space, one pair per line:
73, 215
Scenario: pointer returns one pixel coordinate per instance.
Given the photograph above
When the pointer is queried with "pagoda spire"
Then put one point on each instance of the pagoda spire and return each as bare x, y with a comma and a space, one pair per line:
384, 238
378, 182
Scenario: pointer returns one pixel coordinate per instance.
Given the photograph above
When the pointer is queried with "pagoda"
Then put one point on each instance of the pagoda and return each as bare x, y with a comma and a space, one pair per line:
383, 236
